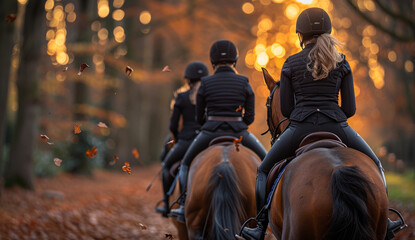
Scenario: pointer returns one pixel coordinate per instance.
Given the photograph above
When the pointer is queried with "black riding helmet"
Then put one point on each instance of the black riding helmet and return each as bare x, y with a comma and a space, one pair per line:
223, 51
313, 22
195, 71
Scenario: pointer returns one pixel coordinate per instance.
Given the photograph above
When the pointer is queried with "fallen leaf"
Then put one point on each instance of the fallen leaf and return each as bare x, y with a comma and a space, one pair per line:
81, 69
236, 141
169, 236
44, 138
170, 144
128, 70
142, 226
239, 109
77, 129
11, 18
166, 69
57, 161
114, 160
102, 125
92, 153
65, 69
126, 168
135, 153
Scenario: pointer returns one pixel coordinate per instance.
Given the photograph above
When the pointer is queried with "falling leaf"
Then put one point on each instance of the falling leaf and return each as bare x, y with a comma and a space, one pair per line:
44, 138
92, 153
239, 109
11, 18
236, 141
50, 143
135, 153
166, 69
114, 160
220, 175
169, 236
142, 226
65, 69
102, 125
81, 69
57, 161
170, 144
129, 70
76, 129
126, 168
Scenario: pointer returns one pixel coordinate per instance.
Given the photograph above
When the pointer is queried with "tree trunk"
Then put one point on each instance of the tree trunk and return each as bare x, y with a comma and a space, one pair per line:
6, 46
19, 170
79, 163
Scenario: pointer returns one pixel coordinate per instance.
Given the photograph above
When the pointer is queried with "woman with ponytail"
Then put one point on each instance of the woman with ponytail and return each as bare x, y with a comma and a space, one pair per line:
184, 108
310, 84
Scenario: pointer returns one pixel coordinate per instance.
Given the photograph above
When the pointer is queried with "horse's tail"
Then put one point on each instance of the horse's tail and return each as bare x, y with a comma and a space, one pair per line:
226, 211
350, 218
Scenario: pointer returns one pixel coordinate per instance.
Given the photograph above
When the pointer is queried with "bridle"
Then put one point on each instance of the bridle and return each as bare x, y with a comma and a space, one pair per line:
274, 130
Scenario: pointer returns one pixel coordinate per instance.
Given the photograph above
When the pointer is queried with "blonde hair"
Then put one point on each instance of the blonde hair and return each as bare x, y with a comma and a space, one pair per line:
324, 56
193, 92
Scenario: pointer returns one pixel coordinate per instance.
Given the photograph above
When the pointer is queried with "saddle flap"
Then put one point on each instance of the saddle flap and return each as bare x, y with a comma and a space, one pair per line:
273, 174
222, 140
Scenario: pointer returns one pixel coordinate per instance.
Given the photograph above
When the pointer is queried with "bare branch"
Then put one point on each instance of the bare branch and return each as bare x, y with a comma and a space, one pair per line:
375, 23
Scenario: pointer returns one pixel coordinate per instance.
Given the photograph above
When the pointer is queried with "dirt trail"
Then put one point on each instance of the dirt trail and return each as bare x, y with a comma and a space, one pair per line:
110, 205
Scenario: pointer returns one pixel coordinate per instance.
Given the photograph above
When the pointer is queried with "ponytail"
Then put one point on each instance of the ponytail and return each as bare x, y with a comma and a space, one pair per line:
324, 56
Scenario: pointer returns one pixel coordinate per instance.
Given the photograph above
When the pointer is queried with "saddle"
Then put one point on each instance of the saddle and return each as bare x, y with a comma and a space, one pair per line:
310, 142
222, 140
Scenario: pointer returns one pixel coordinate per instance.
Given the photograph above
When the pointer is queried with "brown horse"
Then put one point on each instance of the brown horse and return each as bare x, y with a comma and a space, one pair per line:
221, 191
334, 193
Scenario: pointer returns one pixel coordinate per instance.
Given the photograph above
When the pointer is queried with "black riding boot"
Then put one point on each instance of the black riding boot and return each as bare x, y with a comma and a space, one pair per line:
179, 212
258, 233
164, 210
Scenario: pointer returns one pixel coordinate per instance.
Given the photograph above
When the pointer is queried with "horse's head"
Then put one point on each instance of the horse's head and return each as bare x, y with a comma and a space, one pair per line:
275, 120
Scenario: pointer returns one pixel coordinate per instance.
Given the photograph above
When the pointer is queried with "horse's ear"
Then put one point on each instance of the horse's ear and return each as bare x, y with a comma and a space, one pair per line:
268, 79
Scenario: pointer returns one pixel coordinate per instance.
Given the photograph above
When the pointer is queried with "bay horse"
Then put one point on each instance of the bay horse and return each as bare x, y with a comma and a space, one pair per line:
325, 193
221, 191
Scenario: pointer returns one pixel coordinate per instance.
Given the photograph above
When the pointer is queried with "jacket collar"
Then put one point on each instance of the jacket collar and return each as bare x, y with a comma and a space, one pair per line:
309, 46
224, 69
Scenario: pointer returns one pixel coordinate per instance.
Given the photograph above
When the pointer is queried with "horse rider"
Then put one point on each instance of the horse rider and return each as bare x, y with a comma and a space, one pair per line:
219, 104
310, 83
184, 107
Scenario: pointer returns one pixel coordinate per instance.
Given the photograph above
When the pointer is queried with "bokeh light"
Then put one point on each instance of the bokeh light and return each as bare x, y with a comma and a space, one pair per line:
118, 15
409, 66
103, 8
248, 8
292, 11
145, 17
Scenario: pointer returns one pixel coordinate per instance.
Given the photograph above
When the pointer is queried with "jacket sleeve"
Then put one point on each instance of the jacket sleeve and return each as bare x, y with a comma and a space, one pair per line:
175, 117
201, 105
287, 101
249, 115
348, 101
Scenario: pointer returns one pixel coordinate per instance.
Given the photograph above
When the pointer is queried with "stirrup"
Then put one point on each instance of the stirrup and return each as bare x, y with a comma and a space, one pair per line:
395, 226
178, 213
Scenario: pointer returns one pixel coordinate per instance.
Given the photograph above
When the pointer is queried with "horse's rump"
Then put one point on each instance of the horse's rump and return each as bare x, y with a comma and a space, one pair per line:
221, 191
324, 191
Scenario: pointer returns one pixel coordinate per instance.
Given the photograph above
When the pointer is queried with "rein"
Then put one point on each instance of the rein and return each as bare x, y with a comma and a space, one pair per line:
275, 131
